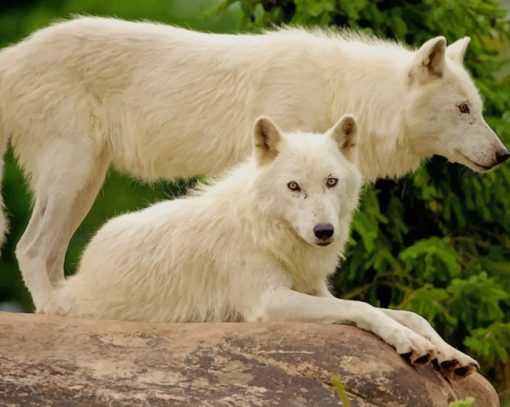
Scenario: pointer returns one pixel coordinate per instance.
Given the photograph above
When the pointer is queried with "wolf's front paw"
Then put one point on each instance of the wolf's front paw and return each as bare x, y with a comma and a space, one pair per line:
454, 364
413, 347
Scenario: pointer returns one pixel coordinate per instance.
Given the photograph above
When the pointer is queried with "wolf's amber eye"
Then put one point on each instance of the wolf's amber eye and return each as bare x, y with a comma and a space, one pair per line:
463, 107
294, 186
331, 182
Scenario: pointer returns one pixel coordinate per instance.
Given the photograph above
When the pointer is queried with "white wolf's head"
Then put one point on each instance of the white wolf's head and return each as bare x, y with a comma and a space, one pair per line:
445, 110
309, 181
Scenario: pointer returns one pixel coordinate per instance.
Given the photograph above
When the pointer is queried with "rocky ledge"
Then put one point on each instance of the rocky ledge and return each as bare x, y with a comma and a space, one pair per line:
46, 360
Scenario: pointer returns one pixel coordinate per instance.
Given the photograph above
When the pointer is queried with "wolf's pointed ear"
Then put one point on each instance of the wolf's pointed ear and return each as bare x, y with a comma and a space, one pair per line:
429, 61
345, 134
457, 50
266, 137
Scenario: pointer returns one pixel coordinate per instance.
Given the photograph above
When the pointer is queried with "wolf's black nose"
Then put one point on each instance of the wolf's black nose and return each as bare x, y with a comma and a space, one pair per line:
323, 230
502, 155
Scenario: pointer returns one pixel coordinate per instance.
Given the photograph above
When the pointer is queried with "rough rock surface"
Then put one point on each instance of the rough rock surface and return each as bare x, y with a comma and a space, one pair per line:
54, 361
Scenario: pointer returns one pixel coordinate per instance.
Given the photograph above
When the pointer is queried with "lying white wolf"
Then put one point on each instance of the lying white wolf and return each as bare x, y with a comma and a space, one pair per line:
163, 102
258, 245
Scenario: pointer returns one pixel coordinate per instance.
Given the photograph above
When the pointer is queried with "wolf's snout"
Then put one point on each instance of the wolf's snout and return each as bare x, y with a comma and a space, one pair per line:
502, 155
323, 231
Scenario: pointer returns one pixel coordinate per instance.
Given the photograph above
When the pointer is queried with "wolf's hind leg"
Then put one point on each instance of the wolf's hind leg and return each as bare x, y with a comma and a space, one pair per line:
78, 210
61, 172
27, 252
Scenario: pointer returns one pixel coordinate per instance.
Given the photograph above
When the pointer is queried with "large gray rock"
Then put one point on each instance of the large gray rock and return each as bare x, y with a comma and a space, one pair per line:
46, 360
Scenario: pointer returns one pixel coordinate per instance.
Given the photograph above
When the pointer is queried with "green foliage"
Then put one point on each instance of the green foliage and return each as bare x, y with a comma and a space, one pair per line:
492, 341
340, 390
436, 242
468, 402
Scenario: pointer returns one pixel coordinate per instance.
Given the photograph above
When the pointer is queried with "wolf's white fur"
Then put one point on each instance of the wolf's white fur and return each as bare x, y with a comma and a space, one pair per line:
212, 255
163, 102
243, 249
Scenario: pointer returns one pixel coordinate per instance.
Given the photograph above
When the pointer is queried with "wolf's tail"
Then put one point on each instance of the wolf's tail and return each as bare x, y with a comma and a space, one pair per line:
4, 224
4, 139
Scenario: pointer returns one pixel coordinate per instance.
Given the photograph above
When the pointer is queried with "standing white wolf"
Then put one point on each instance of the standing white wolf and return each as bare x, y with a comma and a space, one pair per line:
163, 102
258, 245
